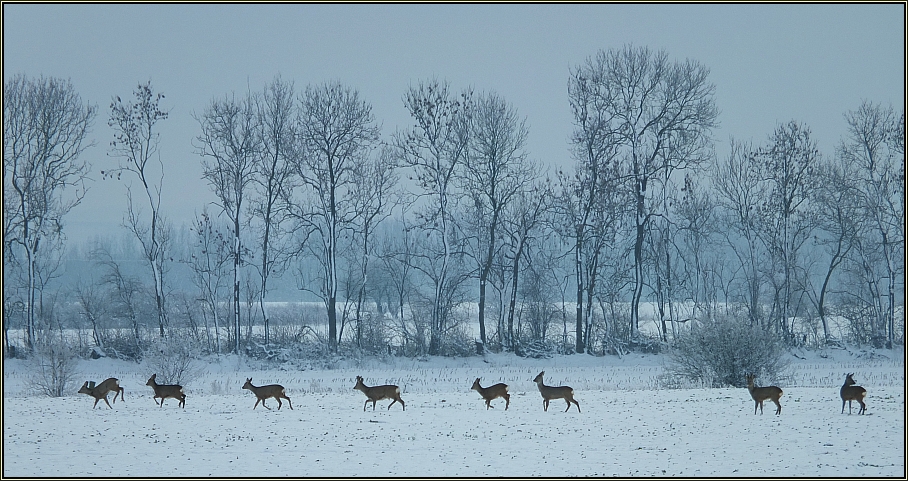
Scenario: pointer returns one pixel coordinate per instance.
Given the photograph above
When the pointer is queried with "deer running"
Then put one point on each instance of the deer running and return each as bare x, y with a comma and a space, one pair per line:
264, 392
850, 392
377, 393
490, 393
165, 391
555, 392
760, 394
100, 391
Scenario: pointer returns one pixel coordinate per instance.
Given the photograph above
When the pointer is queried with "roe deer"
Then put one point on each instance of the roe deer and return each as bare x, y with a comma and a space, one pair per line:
760, 394
100, 391
264, 392
165, 391
492, 392
553, 392
377, 393
850, 392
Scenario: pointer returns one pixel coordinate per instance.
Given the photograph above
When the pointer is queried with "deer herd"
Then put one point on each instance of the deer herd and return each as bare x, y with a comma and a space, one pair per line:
849, 392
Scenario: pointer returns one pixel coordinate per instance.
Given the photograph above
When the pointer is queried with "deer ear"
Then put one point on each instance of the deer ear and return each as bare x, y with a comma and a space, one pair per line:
91, 385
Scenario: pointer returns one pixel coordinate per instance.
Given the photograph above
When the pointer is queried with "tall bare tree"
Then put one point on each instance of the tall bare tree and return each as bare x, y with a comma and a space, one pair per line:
522, 222
337, 133
230, 137
738, 184
435, 148
874, 148
787, 214
582, 215
496, 171
374, 199
839, 215
660, 113
45, 124
209, 260
273, 177
136, 145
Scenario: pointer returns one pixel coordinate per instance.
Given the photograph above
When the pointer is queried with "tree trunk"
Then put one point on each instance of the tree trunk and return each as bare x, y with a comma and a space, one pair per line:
578, 264
236, 287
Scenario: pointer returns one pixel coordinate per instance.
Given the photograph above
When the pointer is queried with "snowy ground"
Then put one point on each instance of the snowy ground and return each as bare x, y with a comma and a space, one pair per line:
627, 427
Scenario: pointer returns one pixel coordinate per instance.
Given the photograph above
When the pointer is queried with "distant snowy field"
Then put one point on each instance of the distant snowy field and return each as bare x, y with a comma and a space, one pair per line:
627, 427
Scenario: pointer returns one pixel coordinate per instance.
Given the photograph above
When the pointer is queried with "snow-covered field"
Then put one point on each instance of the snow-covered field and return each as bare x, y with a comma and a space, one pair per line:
627, 427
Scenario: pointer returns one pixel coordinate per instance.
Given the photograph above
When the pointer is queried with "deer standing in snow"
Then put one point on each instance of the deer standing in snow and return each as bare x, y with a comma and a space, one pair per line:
490, 393
555, 392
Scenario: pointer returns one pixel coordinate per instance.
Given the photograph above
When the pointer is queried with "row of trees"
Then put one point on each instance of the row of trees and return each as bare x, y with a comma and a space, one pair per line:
396, 235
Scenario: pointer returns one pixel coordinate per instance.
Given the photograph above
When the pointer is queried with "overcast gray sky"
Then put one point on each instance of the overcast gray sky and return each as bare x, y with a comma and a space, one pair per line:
770, 63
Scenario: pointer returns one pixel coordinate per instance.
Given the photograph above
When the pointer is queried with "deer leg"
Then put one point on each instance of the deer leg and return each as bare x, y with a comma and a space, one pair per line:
264, 406
507, 400
545, 404
288, 402
863, 407
278, 403
578, 406
778, 407
105, 400
843, 406
392, 403
256, 404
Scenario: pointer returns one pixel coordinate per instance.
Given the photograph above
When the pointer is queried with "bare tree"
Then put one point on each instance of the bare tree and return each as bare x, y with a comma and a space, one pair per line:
787, 215
136, 145
45, 124
435, 148
739, 193
337, 133
839, 217
395, 250
582, 211
495, 172
124, 296
522, 222
273, 176
92, 305
230, 137
696, 213
660, 114
209, 261
874, 148
374, 200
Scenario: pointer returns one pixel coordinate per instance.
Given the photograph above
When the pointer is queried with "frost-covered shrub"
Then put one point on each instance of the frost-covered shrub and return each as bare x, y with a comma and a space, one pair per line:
54, 369
720, 352
173, 360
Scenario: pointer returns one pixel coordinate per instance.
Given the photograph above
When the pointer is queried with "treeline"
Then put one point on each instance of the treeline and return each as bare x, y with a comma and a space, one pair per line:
397, 235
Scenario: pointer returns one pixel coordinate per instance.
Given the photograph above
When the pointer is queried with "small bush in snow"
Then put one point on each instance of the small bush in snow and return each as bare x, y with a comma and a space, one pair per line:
720, 352
173, 360
54, 370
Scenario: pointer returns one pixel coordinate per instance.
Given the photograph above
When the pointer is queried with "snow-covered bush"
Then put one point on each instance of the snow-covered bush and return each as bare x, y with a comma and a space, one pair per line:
173, 360
720, 352
54, 369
